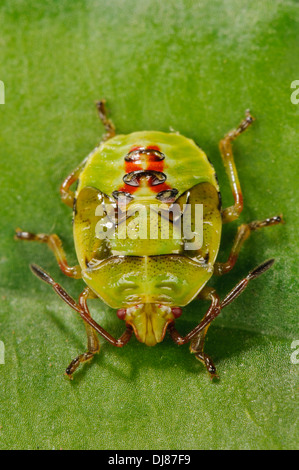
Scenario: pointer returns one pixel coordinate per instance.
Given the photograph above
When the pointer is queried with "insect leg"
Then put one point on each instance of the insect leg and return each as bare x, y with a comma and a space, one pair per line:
243, 233
225, 146
68, 196
93, 345
107, 123
197, 342
196, 336
55, 244
83, 311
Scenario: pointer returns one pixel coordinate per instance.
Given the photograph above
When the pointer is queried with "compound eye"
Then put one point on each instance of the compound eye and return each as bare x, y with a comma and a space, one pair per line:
176, 312
121, 313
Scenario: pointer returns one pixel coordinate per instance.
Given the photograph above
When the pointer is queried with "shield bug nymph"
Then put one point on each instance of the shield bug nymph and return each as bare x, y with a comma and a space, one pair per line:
149, 281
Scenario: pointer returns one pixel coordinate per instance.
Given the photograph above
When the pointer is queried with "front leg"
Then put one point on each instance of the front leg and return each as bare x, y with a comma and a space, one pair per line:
93, 344
91, 325
197, 335
197, 339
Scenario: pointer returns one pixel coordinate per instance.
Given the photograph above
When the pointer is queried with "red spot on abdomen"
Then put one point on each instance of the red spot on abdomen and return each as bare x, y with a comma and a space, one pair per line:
160, 187
132, 166
148, 158
128, 188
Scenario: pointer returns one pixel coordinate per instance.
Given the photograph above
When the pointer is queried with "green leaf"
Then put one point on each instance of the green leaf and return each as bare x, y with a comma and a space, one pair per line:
192, 66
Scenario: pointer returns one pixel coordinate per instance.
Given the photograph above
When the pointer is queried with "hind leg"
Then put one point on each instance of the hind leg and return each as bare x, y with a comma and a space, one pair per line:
225, 146
107, 123
67, 195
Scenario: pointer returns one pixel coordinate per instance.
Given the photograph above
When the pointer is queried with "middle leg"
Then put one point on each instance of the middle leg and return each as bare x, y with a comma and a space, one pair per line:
55, 244
243, 233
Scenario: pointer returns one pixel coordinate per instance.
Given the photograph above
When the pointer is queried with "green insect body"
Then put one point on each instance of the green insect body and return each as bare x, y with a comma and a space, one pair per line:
159, 272
129, 188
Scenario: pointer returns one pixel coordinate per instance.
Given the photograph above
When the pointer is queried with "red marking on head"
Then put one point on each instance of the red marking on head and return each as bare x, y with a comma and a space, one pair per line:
121, 313
176, 312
